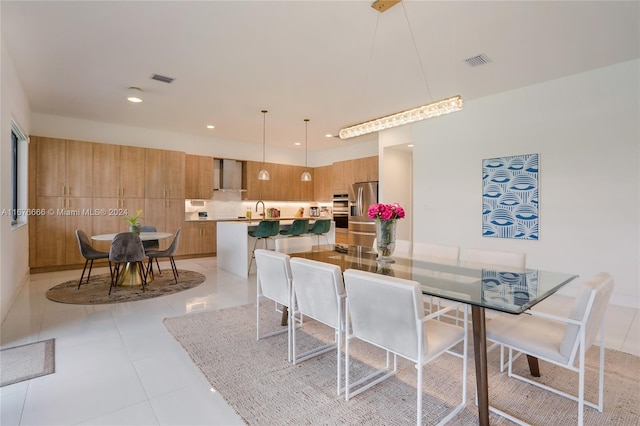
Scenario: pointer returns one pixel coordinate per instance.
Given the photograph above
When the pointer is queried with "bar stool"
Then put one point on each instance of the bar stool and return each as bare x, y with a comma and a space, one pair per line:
298, 227
265, 230
321, 227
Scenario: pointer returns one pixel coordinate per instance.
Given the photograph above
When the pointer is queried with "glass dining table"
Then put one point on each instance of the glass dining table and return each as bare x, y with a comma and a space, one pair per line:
480, 286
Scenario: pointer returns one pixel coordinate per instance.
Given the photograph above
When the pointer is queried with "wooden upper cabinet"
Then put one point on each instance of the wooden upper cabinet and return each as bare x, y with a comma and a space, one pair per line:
284, 183
51, 174
164, 174
118, 171
132, 171
304, 190
337, 178
365, 169
198, 176
106, 170
64, 168
345, 173
79, 168
322, 184
175, 174
257, 189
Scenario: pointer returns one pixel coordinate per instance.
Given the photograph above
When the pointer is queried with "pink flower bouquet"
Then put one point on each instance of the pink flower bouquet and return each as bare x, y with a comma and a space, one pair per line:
386, 211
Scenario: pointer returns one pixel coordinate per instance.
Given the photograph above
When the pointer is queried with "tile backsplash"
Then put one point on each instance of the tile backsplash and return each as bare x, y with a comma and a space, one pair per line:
230, 205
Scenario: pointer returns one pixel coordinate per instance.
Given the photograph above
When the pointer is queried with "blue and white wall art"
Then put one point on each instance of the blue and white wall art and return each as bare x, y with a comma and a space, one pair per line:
510, 197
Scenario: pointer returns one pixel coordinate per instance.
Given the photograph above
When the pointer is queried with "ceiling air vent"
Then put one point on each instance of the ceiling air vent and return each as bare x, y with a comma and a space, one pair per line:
477, 60
162, 78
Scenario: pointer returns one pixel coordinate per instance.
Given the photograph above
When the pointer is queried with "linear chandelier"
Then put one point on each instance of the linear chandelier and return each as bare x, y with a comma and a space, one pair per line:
430, 110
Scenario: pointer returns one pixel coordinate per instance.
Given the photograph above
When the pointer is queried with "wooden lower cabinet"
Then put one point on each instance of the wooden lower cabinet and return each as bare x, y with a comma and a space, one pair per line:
342, 236
55, 239
166, 215
199, 237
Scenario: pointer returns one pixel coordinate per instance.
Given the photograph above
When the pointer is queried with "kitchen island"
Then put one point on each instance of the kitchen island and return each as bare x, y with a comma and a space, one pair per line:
234, 245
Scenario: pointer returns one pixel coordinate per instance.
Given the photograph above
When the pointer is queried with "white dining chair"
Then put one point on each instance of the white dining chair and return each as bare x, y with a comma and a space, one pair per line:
294, 244
515, 261
387, 312
438, 253
441, 253
318, 293
507, 260
562, 341
274, 283
402, 248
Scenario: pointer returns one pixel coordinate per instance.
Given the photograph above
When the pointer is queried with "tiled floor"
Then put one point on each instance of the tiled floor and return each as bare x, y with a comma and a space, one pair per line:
117, 364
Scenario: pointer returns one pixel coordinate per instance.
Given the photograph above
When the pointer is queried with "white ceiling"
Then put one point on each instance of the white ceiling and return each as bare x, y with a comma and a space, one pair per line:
335, 62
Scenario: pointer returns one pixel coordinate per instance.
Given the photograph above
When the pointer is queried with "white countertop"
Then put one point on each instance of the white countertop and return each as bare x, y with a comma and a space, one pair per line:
254, 219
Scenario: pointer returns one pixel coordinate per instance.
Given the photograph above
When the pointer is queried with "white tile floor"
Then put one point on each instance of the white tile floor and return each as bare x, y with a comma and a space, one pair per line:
117, 364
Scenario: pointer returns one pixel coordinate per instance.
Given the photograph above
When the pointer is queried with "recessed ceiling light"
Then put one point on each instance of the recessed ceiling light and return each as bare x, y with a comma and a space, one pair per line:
297, 143
210, 126
328, 135
410, 145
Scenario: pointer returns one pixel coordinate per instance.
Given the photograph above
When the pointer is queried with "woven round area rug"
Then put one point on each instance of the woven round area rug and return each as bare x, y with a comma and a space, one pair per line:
96, 292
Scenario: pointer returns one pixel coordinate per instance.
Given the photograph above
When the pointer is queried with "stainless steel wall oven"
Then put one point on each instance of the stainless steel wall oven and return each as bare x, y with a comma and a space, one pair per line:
341, 210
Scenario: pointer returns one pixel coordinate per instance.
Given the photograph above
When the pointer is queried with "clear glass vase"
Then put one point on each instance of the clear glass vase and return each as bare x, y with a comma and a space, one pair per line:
135, 228
385, 240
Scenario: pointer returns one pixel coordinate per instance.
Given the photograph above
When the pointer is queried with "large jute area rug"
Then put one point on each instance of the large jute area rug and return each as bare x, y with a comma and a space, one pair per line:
96, 291
255, 378
26, 362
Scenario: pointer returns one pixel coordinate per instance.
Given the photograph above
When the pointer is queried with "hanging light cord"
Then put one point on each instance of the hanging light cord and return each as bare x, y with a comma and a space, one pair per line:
415, 47
306, 142
264, 129
373, 43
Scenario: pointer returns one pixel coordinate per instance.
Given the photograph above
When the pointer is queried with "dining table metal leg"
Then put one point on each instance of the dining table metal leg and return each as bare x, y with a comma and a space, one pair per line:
480, 355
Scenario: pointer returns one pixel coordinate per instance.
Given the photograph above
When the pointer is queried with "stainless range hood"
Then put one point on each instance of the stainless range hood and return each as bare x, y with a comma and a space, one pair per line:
227, 175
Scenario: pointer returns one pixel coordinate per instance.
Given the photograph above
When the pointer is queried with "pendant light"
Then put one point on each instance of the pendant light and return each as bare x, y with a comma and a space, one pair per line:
306, 176
263, 174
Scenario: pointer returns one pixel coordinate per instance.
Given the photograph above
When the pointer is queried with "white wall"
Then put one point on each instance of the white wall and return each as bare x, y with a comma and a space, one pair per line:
396, 187
586, 129
14, 242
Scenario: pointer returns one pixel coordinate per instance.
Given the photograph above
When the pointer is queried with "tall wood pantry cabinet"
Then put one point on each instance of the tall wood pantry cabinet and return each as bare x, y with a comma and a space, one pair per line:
71, 180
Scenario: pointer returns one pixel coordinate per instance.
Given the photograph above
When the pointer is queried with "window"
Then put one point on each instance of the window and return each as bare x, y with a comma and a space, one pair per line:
14, 177
18, 175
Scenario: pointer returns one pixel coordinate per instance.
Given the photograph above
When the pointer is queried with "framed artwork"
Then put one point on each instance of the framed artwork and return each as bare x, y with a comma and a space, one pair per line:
510, 197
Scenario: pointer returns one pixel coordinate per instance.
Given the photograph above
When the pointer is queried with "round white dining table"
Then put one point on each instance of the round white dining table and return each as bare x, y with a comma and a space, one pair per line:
144, 236
130, 275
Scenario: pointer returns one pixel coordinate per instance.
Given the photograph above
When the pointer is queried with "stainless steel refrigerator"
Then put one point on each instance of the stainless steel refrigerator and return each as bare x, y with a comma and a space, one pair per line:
362, 230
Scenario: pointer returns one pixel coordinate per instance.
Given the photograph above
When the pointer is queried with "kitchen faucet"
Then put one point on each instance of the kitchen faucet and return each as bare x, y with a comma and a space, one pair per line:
260, 202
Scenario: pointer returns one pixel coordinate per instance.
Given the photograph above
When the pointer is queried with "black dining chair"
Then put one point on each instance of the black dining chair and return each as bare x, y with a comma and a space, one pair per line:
150, 245
90, 254
169, 252
127, 248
